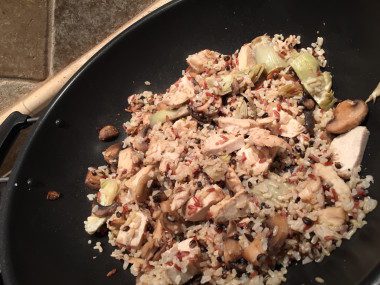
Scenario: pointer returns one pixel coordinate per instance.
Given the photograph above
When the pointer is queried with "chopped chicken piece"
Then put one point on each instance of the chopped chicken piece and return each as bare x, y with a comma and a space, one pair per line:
254, 250
222, 143
93, 223
179, 93
168, 158
198, 206
202, 60
245, 57
131, 233
326, 232
186, 253
127, 163
137, 183
230, 208
348, 149
230, 124
233, 182
255, 161
310, 191
215, 168
289, 126
261, 137
332, 216
328, 174
292, 129
179, 199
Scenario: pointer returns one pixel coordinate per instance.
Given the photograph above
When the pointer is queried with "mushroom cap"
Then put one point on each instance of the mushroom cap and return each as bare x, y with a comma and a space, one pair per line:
276, 242
111, 153
347, 115
232, 250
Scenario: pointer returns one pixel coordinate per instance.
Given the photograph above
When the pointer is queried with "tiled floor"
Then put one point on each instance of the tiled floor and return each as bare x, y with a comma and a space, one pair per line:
40, 37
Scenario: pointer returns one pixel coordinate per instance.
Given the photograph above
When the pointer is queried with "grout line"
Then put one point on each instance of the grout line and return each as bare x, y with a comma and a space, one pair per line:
50, 38
20, 79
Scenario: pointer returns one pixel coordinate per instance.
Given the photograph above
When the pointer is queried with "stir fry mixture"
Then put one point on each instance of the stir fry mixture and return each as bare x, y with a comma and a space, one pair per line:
246, 164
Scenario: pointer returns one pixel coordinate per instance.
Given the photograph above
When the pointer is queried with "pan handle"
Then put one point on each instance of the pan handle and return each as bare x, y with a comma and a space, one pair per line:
9, 130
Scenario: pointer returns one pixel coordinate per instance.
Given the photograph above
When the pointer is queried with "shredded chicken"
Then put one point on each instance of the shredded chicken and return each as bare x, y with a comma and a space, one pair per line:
223, 143
261, 137
230, 208
328, 174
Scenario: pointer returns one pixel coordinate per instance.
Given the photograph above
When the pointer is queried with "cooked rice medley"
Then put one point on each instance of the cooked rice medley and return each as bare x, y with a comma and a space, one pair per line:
244, 165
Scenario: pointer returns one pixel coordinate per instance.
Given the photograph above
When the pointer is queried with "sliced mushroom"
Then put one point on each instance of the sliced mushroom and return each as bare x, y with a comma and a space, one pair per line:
111, 153
347, 115
140, 141
309, 121
137, 184
165, 206
231, 229
92, 180
172, 222
201, 117
108, 133
117, 220
103, 211
232, 250
307, 101
254, 250
280, 223
149, 249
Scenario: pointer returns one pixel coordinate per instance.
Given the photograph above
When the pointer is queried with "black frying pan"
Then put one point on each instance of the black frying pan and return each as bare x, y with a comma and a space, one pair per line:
43, 242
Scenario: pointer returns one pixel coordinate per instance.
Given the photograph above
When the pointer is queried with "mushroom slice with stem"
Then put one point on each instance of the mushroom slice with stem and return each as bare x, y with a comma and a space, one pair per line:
104, 211
347, 115
253, 251
172, 222
232, 250
279, 225
108, 133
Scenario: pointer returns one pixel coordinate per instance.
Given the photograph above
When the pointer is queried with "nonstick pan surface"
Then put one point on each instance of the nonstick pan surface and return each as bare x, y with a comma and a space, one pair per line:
44, 242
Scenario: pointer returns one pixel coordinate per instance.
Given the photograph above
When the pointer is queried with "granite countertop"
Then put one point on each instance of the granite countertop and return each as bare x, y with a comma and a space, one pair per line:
40, 37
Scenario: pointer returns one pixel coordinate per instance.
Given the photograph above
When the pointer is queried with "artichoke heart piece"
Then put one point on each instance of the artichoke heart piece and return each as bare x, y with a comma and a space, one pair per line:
316, 83
163, 115
267, 56
109, 188
223, 83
